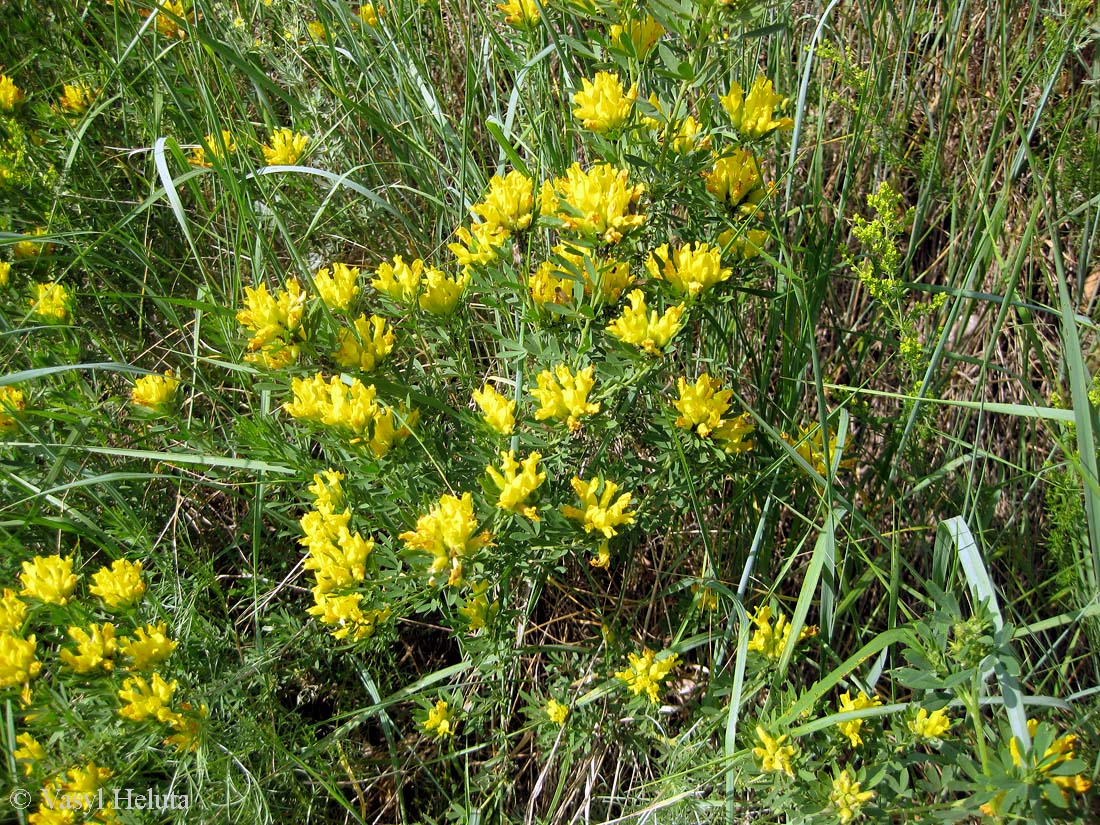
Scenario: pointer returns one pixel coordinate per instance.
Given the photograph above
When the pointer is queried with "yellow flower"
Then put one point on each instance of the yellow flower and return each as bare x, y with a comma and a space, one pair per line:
119, 586
643, 328
30, 248
686, 137
600, 514
479, 245
515, 488
811, 447
51, 302
775, 757
10, 94
754, 116
930, 725
646, 672
29, 751
847, 798
852, 727
643, 34
315, 28
285, 148
390, 427
187, 728
85, 780
735, 180
166, 22
563, 395
602, 105
446, 533
547, 288
151, 647
5, 273
521, 14
690, 269
216, 148
338, 286
333, 403
13, 612
344, 614
770, 640
499, 412
77, 97
365, 347
440, 721
147, 699
327, 492
369, 14
556, 711
399, 281
275, 322
743, 245
702, 408
95, 648
337, 556
49, 579
440, 294
597, 203
154, 392
509, 203
476, 608
11, 401
18, 664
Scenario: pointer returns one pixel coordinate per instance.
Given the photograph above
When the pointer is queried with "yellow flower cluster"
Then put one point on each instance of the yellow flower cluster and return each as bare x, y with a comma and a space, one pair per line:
51, 302
702, 407
603, 279
642, 33
155, 392
516, 485
338, 286
557, 712
119, 586
440, 721
599, 513
76, 97
499, 412
735, 180
563, 395
602, 104
521, 14
48, 579
930, 726
369, 13
646, 672
95, 648
10, 94
351, 408
285, 147
338, 559
476, 608
479, 245
11, 401
811, 446
18, 660
690, 269
754, 116
151, 700
150, 647
366, 345
403, 282
852, 727
848, 798
217, 147
598, 203
29, 247
642, 327
447, 534
774, 756
743, 245
770, 640
275, 322
510, 202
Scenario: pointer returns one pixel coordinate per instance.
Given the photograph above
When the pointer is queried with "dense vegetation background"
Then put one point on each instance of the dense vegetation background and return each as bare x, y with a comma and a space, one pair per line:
843, 578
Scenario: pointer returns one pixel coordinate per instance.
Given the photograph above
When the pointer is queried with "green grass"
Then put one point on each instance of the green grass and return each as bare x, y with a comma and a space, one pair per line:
944, 545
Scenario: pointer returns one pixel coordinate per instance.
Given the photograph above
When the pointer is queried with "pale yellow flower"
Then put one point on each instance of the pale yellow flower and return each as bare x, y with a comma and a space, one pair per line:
930, 725
49, 579
499, 412
155, 392
642, 327
285, 148
440, 722
602, 104
563, 395
13, 612
691, 269
643, 33
509, 204
398, 280
847, 798
557, 712
754, 116
447, 533
119, 586
150, 647
598, 513
147, 699
852, 727
646, 673
367, 345
337, 286
599, 203
439, 294
479, 245
775, 757
735, 180
516, 485
95, 648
